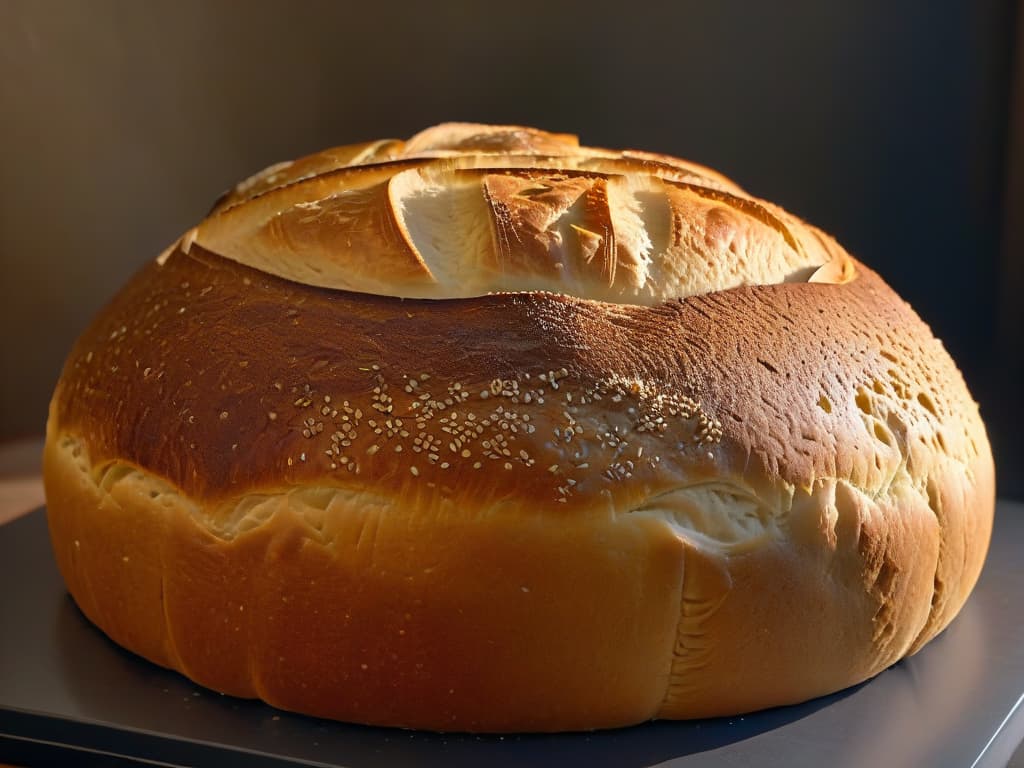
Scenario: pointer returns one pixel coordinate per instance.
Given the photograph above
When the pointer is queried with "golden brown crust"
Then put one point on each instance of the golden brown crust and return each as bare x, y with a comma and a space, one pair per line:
781, 489
225, 380
464, 210
358, 611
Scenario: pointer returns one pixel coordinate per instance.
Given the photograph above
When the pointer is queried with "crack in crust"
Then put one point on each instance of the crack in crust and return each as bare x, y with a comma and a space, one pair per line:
465, 210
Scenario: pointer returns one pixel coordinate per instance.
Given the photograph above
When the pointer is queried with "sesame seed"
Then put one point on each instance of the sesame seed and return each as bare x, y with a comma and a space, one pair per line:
223, 415
372, 450
415, 472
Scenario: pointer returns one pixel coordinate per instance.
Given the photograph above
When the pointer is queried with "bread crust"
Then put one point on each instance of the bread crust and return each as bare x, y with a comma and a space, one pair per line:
463, 210
515, 511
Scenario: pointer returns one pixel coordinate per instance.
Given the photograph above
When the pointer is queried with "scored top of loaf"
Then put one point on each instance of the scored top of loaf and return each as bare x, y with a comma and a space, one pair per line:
463, 210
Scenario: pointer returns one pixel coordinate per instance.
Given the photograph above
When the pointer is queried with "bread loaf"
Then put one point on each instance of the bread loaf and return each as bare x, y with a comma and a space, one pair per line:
487, 431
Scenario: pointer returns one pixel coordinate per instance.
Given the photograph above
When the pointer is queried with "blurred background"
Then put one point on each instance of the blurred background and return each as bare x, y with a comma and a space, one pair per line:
897, 127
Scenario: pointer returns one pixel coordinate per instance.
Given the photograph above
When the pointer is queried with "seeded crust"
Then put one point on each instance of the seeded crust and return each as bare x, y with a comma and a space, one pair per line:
516, 511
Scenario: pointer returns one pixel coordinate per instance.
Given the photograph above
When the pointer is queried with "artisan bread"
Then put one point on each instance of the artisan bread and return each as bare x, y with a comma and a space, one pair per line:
487, 431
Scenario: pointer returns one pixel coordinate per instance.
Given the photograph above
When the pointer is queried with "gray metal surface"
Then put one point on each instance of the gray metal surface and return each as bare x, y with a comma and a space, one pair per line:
66, 691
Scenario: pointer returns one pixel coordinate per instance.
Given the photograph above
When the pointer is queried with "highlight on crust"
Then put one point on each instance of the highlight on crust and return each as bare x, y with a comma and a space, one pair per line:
465, 210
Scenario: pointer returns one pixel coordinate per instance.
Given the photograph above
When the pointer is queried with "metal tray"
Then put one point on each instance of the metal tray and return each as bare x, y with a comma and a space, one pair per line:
69, 695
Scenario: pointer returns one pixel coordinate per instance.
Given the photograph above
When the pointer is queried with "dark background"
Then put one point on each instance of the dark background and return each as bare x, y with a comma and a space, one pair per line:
896, 126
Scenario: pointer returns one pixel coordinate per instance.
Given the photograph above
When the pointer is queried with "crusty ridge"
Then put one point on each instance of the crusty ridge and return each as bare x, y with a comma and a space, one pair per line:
465, 210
